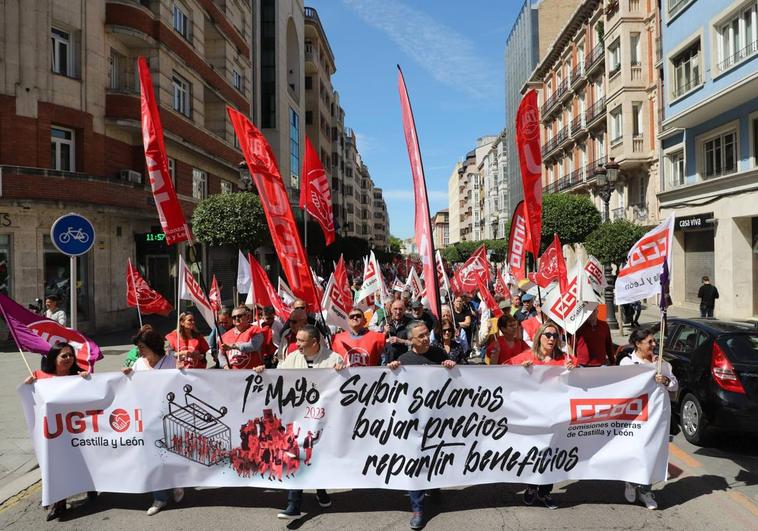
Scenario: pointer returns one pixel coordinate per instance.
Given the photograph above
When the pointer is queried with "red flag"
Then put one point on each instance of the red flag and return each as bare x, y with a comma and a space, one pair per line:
500, 285
139, 293
191, 290
169, 210
345, 294
315, 192
262, 164
488, 299
263, 291
214, 295
530, 159
552, 267
518, 243
422, 226
477, 267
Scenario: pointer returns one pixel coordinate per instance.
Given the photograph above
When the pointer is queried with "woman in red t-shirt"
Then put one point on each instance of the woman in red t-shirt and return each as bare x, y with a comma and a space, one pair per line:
509, 341
545, 351
191, 347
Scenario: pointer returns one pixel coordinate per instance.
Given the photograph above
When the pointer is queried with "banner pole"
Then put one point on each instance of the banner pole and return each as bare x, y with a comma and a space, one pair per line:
23, 357
659, 363
178, 290
305, 231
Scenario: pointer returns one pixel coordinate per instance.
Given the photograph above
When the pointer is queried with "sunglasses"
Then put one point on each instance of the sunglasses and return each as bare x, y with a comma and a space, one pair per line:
356, 316
551, 335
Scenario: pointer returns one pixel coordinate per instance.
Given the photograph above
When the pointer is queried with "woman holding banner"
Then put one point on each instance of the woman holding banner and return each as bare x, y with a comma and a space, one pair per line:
188, 346
644, 349
153, 356
448, 343
545, 351
60, 361
509, 342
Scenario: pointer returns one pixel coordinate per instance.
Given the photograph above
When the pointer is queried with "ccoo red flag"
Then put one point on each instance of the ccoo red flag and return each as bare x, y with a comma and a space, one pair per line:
530, 159
422, 225
263, 291
476, 268
552, 267
169, 210
262, 164
518, 243
315, 192
214, 295
488, 299
139, 293
343, 291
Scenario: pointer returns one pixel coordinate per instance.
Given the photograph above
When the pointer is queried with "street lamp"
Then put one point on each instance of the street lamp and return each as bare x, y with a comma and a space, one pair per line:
606, 178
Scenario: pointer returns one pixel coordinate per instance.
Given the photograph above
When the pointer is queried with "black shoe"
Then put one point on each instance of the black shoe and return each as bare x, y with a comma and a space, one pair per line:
530, 495
417, 521
290, 512
435, 495
57, 510
548, 501
323, 498
91, 496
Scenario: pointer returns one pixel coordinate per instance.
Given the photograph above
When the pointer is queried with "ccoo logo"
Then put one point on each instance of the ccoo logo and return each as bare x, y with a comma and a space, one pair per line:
585, 410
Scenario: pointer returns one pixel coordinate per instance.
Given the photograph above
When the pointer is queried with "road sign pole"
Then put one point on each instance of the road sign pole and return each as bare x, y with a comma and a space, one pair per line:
72, 291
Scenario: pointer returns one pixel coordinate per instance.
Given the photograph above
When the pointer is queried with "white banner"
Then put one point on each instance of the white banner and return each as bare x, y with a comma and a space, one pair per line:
410, 429
571, 309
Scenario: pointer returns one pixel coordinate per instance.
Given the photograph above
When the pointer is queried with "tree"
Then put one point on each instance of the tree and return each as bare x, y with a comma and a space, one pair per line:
231, 219
395, 244
573, 217
610, 242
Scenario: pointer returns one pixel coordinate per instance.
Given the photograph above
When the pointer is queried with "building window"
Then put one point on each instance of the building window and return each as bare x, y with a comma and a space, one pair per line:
738, 37
62, 149
755, 142
199, 184
675, 6
617, 124
634, 49
614, 57
600, 145
226, 187
172, 170
637, 118
294, 148
5, 264
675, 168
720, 155
116, 66
63, 52
181, 20
686, 66
237, 80
182, 93
308, 82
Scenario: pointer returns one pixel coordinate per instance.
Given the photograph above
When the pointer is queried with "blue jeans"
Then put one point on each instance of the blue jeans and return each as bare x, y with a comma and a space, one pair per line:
295, 497
162, 495
706, 311
417, 500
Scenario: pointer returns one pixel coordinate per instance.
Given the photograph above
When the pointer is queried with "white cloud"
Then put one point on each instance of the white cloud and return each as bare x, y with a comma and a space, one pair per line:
447, 55
407, 195
365, 143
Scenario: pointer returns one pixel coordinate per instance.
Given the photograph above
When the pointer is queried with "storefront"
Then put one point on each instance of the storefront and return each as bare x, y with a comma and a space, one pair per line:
697, 238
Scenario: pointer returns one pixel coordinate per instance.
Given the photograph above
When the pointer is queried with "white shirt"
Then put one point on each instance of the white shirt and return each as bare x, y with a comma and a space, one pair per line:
59, 316
166, 362
634, 359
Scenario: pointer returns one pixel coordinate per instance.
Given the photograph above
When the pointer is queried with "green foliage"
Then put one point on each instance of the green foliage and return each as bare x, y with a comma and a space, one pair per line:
395, 244
461, 251
231, 219
611, 242
573, 217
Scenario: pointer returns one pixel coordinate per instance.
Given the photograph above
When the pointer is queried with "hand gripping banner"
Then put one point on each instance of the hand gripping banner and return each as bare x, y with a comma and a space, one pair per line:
415, 428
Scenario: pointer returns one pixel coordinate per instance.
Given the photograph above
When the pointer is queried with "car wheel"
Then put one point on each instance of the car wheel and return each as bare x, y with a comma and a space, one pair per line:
692, 421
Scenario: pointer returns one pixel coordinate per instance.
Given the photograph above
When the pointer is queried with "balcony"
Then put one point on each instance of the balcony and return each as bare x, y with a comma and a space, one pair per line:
567, 182
595, 112
563, 90
638, 144
618, 213
577, 76
549, 146
548, 106
680, 89
748, 51
639, 212
578, 125
593, 166
595, 57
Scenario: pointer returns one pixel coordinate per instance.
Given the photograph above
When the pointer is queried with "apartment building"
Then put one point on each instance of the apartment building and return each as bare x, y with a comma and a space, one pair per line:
493, 170
71, 136
599, 91
441, 228
455, 203
709, 149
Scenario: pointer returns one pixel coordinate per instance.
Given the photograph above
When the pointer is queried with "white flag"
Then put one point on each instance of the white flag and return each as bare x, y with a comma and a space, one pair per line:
567, 309
243, 274
333, 312
190, 290
372, 279
285, 292
640, 277
413, 283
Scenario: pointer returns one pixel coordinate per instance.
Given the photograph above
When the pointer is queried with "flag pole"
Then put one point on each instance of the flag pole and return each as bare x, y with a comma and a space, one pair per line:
305, 231
18, 344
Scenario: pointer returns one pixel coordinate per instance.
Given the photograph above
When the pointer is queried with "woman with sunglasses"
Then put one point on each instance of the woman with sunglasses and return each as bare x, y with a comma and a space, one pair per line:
509, 341
447, 342
59, 361
189, 346
545, 351
644, 353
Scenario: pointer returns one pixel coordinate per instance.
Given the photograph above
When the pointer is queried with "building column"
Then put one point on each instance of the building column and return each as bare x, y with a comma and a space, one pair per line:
734, 268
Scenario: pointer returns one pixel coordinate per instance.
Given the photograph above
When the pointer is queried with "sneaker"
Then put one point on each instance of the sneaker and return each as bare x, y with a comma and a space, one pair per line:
178, 495
648, 500
156, 507
323, 498
548, 501
290, 512
530, 494
417, 521
630, 492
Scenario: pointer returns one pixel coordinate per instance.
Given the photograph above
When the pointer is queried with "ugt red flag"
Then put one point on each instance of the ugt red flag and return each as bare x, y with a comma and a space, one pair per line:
518, 243
214, 295
343, 291
169, 210
37, 333
262, 291
552, 267
140, 295
315, 192
476, 268
281, 224
530, 159
488, 299
422, 225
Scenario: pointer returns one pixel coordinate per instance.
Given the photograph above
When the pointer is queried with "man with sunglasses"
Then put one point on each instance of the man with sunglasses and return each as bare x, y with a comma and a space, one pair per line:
241, 345
359, 346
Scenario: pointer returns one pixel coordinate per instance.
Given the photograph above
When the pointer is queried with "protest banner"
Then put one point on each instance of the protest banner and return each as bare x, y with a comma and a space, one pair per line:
410, 429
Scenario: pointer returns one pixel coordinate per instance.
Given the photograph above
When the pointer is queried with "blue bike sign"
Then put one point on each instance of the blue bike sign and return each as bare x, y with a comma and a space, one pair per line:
73, 234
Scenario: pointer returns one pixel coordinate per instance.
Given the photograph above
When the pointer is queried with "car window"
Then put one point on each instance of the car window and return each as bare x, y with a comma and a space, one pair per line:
671, 329
687, 339
743, 347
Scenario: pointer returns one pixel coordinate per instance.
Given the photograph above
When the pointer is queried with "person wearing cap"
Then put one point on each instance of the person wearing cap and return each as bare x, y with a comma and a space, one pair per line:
419, 313
527, 308
359, 346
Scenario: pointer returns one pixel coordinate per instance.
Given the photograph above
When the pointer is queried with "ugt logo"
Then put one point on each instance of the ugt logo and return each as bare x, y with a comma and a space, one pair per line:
76, 422
585, 410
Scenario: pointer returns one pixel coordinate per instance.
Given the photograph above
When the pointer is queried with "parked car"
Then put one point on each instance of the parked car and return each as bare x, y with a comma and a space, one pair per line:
716, 363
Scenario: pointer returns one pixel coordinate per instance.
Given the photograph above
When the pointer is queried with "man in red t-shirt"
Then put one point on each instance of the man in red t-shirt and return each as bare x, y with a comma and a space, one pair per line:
358, 346
594, 346
241, 345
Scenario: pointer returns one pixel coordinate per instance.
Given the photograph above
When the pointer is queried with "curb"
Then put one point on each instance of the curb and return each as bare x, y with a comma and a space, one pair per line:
19, 485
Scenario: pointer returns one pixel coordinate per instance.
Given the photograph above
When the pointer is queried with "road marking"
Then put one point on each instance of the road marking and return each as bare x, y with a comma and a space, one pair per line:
744, 500
10, 502
684, 457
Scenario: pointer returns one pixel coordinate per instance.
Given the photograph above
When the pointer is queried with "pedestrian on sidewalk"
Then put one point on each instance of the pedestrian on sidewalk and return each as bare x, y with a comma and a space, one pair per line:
707, 295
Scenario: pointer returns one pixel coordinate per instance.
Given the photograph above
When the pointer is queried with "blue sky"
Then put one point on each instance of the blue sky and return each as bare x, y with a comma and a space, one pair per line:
451, 53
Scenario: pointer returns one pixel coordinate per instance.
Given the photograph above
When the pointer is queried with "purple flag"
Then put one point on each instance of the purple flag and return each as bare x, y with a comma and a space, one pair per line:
665, 281
37, 333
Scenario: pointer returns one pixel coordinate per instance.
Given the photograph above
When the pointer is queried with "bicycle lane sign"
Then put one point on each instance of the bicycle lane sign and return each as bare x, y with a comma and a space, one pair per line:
73, 234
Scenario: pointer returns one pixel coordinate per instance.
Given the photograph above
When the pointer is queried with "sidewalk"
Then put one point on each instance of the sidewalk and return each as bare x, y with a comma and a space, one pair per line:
651, 314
